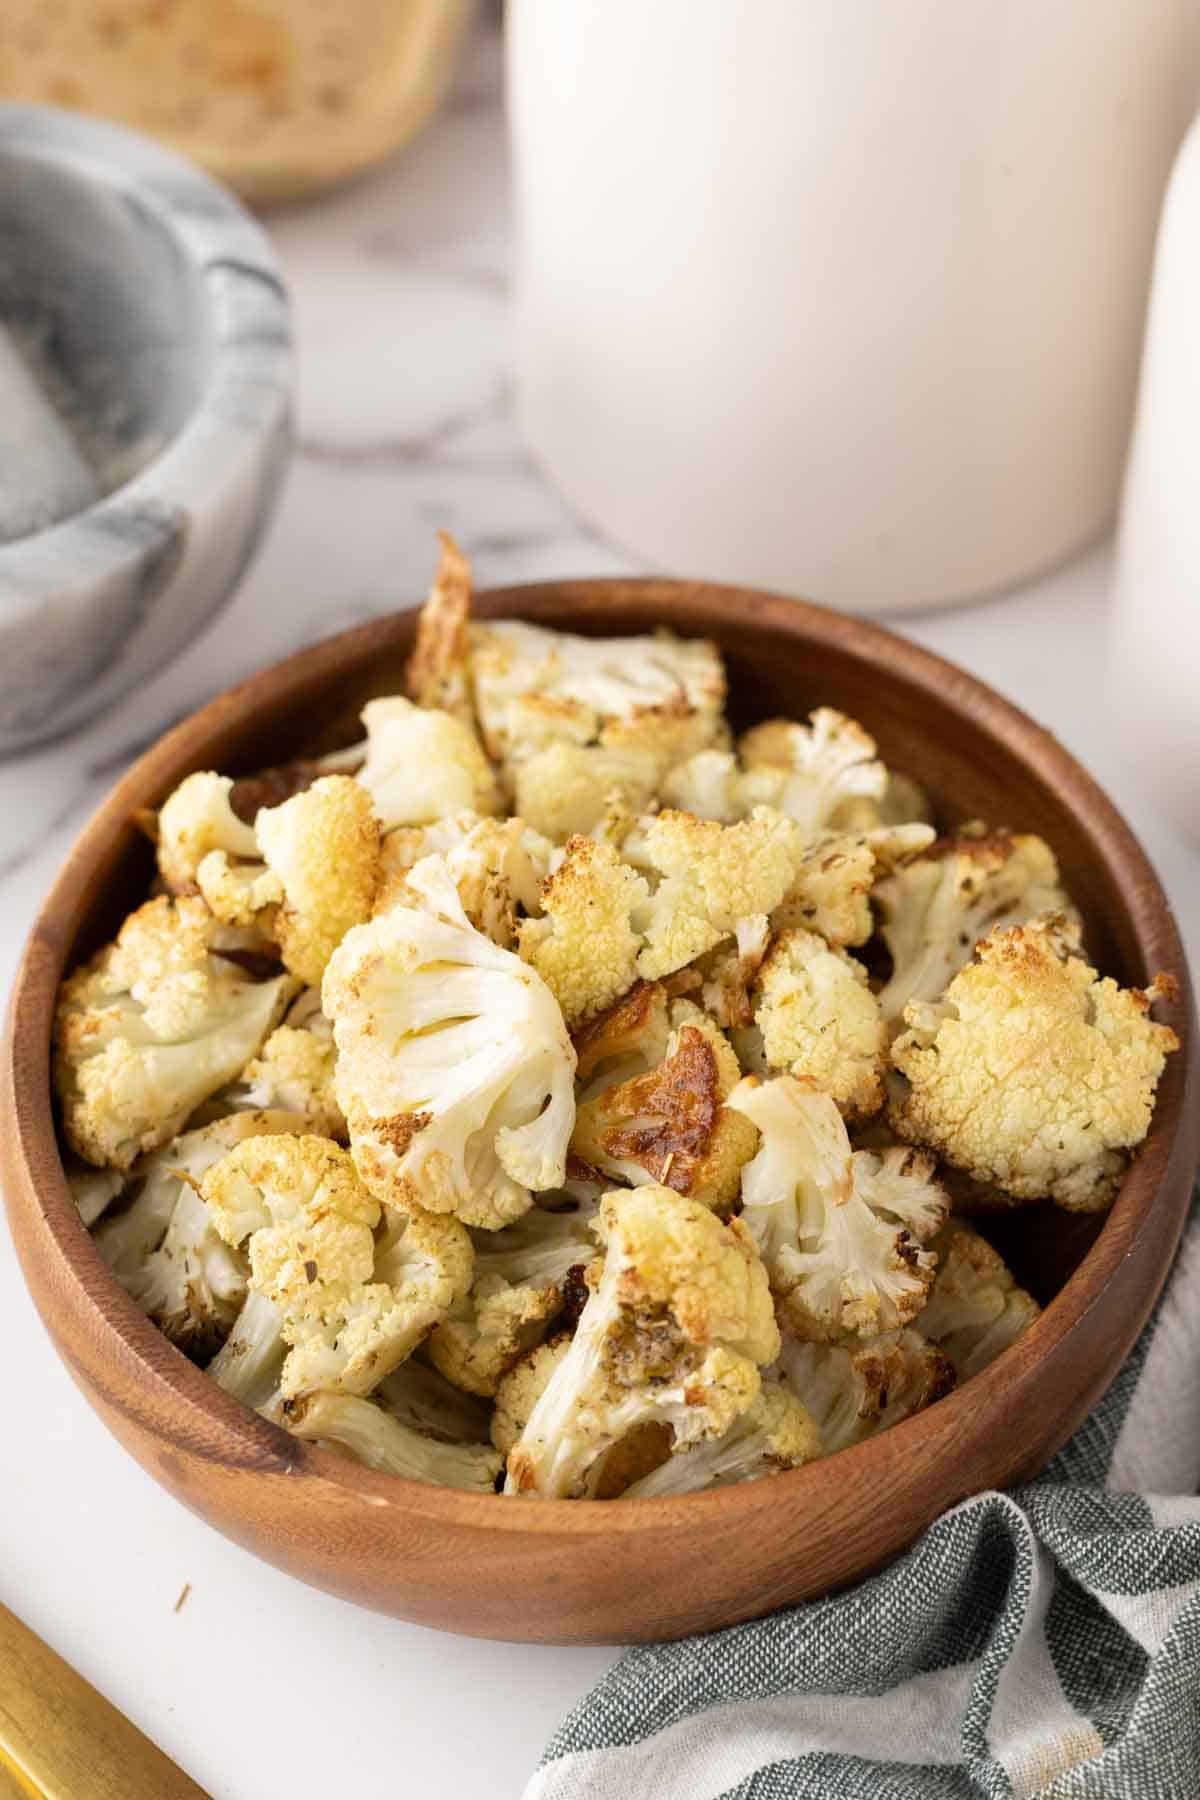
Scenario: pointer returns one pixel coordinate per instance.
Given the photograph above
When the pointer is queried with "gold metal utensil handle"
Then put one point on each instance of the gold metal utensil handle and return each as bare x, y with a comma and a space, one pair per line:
61, 1740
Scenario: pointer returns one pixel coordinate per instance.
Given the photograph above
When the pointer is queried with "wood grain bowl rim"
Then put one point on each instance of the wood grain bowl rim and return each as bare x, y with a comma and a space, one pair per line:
1153, 1194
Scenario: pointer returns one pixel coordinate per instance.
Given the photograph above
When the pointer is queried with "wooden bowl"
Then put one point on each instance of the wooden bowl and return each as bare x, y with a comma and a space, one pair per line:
595, 1572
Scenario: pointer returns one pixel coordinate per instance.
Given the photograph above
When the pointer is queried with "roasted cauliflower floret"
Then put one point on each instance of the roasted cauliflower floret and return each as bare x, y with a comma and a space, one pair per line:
677, 1324
294, 1071
420, 765
818, 1017
935, 907
713, 785
626, 1039
826, 766
151, 1027
194, 820
365, 1432
975, 1308
498, 867
353, 1301
569, 790
855, 1389
525, 1275
455, 1070
426, 1402
535, 687
840, 1231
835, 876
489, 1329
162, 1245
1033, 1073
585, 947
317, 877
775, 1432
729, 972
670, 1126
710, 876
439, 670
520, 1390
249, 1364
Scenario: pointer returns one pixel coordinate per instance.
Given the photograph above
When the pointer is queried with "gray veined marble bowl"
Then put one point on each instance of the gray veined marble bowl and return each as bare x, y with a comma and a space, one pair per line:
159, 311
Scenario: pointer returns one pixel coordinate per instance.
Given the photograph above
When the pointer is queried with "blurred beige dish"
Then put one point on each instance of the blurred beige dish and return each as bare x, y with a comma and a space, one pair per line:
279, 98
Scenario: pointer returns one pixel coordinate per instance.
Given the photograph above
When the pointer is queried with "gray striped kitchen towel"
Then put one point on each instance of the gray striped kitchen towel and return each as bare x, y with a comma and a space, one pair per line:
1044, 1641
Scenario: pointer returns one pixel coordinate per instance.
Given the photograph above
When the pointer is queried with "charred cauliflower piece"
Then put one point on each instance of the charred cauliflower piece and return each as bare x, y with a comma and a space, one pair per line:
670, 1126
455, 1070
775, 1432
439, 670
854, 1390
676, 1326
583, 790
1033, 1073
151, 1027
534, 687
819, 1018
353, 1301
497, 865
624, 1040
840, 1231
585, 947
162, 1245
365, 1432
975, 1309
935, 907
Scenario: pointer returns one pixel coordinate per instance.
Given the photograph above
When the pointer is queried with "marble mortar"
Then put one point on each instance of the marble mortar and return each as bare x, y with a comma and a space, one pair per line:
159, 313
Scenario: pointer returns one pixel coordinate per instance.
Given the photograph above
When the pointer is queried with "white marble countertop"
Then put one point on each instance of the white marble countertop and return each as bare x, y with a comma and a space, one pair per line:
258, 1686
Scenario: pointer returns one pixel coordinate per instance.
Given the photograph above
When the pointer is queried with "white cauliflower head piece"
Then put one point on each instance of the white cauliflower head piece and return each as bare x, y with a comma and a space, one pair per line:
455, 1070
354, 1298
569, 790
840, 1232
819, 1018
585, 946
935, 907
368, 1434
775, 1432
1033, 1073
975, 1309
823, 767
161, 1243
498, 867
678, 1322
153, 1026
708, 878
534, 687
318, 871
420, 764
196, 819
863, 1386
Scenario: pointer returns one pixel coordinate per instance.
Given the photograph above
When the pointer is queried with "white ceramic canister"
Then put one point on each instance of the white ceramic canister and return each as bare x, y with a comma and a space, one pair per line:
839, 296
1155, 646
